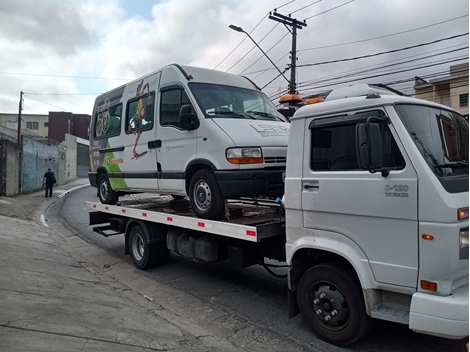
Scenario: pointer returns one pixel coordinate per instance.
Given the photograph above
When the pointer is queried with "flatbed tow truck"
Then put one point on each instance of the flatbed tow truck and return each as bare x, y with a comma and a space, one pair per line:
373, 222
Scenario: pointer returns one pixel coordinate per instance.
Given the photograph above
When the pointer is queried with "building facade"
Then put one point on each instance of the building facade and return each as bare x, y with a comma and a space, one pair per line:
451, 90
53, 126
34, 124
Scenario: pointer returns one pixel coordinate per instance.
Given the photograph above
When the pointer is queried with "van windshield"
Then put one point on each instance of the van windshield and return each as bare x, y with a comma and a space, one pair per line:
440, 135
219, 101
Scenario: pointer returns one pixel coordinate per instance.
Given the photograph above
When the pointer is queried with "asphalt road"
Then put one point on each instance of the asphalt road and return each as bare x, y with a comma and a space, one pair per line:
250, 294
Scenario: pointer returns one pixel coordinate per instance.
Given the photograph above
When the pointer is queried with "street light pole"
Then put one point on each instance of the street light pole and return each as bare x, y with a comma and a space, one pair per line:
239, 29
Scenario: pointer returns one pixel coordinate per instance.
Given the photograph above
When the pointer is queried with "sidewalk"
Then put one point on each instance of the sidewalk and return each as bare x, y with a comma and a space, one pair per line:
49, 301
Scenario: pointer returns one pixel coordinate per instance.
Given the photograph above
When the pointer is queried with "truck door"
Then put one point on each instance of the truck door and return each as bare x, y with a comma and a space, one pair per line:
378, 213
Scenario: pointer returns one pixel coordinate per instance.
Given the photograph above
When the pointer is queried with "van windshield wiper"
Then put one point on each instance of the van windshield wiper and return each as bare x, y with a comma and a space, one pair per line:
264, 114
231, 114
453, 164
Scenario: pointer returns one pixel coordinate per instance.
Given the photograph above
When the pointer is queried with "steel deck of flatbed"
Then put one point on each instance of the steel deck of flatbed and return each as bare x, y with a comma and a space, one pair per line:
250, 222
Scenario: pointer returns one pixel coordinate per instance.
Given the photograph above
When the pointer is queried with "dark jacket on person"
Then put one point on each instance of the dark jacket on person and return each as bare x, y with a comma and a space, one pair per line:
49, 176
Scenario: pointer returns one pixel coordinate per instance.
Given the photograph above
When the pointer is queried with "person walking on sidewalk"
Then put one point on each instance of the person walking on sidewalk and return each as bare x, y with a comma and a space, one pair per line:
49, 180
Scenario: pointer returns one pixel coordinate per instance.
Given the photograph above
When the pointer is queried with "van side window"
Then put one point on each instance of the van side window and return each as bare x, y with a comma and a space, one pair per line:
334, 148
170, 106
140, 111
108, 122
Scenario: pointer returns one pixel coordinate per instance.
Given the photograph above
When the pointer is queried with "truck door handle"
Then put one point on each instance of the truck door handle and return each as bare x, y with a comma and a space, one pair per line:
310, 186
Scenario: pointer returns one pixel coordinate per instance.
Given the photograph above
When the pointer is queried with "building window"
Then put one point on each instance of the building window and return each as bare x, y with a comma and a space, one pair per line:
46, 124
463, 100
32, 125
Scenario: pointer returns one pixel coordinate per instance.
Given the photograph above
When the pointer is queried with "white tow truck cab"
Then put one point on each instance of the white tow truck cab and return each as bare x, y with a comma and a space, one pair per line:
188, 131
375, 219
376, 200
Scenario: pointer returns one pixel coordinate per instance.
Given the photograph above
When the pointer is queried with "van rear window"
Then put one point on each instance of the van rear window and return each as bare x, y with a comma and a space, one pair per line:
108, 122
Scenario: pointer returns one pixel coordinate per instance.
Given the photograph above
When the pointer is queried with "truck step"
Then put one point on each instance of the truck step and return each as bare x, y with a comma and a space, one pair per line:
391, 312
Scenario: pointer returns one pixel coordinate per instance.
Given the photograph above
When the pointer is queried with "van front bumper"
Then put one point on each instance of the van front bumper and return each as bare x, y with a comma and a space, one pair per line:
250, 183
440, 316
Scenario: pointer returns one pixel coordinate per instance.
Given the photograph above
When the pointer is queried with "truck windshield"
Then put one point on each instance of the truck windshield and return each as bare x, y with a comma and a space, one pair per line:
219, 101
440, 135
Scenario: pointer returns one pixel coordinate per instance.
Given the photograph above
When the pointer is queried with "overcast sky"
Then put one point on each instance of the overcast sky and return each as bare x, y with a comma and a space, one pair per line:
62, 53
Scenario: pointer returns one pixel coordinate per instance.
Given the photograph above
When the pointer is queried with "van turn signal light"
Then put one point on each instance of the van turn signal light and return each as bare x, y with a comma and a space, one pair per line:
428, 285
427, 236
462, 214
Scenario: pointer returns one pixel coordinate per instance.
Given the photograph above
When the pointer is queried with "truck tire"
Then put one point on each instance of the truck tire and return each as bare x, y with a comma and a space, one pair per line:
143, 254
205, 196
105, 192
331, 302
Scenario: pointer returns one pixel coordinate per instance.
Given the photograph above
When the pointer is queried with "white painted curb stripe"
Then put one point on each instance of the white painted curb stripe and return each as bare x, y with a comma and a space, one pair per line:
70, 190
43, 220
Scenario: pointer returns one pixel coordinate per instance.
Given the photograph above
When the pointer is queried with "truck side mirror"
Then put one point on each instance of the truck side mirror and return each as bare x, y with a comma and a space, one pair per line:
369, 146
188, 119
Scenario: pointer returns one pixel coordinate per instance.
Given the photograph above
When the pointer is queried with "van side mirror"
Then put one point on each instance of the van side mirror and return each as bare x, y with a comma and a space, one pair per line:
188, 119
369, 147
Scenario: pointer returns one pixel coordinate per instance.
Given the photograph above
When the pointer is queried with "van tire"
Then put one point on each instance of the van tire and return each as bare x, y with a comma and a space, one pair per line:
105, 192
205, 196
331, 302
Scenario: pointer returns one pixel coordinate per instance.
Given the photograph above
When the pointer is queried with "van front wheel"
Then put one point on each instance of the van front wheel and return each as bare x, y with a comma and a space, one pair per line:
105, 192
205, 196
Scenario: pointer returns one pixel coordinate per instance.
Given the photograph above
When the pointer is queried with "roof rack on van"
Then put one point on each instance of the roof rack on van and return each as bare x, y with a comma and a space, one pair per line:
357, 90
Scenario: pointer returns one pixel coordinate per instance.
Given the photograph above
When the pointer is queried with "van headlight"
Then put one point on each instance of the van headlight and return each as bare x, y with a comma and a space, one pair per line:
463, 243
244, 155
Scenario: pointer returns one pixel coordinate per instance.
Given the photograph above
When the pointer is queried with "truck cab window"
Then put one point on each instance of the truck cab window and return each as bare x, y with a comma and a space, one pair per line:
333, 147
140, 112
171, 102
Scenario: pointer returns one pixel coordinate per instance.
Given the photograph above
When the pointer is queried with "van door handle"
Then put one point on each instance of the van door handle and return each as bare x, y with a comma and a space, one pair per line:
155, 144
310, 186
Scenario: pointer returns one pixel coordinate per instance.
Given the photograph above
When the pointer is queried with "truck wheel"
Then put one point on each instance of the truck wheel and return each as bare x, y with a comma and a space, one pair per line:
204, 194
105, 192
143, 254
331, 302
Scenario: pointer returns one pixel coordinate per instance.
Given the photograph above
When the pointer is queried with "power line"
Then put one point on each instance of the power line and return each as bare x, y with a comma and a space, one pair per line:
62, 76
385, 36
287, 34
384, 52
63, 93
356, 72
333, 8
360, 41
395, 72
264, 17
49, 104
304, 88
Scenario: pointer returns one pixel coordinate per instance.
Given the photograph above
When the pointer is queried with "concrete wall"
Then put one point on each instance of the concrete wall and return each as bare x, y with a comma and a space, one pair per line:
36, 159
36, 155
9, 167
70, 145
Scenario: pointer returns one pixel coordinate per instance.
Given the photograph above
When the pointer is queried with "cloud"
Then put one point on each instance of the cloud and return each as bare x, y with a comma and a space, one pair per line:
108, 42
54, 27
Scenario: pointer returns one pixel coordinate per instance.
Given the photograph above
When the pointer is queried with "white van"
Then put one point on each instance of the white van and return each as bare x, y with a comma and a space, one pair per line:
188, 131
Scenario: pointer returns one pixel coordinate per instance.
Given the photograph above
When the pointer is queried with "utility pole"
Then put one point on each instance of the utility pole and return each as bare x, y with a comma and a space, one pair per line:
20, 108
20, 145
294, 24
